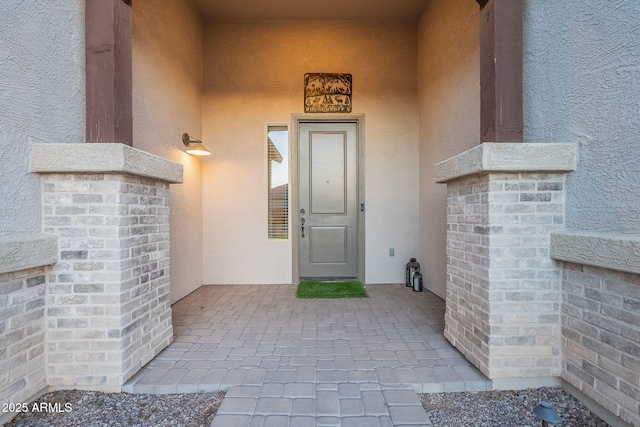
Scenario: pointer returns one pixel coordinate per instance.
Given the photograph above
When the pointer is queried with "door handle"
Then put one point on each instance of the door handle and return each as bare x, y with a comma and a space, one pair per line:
302, 225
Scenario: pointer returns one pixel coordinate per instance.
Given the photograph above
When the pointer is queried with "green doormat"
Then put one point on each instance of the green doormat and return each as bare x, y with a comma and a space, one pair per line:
347, 289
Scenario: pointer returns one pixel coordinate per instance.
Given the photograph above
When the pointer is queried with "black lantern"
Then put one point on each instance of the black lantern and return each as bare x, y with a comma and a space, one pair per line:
545, 412
417, 282
413, 267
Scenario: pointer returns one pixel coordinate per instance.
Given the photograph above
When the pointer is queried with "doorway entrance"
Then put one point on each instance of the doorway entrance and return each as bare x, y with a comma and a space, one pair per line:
330, 207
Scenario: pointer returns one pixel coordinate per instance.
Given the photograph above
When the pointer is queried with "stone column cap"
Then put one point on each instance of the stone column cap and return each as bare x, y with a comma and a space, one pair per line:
21, 252
614, 251
508, 157
102, 158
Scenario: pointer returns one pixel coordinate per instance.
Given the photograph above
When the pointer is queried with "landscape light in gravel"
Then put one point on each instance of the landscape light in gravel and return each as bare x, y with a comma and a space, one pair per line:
545, 412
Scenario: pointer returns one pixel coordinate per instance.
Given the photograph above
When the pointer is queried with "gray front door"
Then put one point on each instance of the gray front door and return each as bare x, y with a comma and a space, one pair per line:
328, 200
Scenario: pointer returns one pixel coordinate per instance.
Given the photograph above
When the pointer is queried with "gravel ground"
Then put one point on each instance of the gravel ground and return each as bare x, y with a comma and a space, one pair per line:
95, 409
505, 408
481, 409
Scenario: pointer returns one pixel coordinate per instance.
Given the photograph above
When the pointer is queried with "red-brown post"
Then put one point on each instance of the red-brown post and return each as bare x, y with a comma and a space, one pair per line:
108, 57
501, 70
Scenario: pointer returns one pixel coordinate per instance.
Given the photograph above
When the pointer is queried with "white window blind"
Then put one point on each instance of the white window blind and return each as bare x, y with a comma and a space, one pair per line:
278, 182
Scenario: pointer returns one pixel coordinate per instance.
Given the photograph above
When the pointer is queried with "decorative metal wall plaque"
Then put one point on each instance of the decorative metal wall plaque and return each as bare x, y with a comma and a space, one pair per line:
327, 93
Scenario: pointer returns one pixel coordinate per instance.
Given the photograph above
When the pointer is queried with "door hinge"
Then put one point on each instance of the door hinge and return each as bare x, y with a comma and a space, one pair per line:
361, 206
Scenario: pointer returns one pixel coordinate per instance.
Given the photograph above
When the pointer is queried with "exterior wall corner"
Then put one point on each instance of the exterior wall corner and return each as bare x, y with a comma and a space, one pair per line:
503, 289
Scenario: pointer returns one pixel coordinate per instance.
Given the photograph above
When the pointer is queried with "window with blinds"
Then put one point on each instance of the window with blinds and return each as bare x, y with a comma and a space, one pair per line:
278, 182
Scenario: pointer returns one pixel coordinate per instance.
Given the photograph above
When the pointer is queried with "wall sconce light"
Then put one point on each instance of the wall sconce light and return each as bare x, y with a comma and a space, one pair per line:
194, 146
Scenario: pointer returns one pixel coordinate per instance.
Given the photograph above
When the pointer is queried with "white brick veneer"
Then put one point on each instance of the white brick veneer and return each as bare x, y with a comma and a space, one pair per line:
601, 336
22, 335
108, 306
503, 290
103, 309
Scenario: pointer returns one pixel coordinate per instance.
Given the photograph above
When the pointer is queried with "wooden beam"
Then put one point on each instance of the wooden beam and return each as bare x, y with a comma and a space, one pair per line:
501, 71
108, 61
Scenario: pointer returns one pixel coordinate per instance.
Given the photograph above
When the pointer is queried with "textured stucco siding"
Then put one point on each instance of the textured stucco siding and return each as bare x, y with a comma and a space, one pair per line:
449, 123
581, 85
41, 97
167, 81
254, 75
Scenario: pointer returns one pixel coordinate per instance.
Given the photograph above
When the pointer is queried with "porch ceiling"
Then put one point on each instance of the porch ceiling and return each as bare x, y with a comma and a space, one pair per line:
351, 10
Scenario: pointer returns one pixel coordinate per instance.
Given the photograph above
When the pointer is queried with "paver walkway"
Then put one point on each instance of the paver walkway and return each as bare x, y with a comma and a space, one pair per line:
293, 362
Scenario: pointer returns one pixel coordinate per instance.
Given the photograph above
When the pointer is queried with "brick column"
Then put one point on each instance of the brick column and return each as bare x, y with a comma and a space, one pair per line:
503, 289
108, 305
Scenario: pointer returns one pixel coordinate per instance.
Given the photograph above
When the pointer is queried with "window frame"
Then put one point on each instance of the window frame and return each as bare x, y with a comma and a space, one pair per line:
267, 162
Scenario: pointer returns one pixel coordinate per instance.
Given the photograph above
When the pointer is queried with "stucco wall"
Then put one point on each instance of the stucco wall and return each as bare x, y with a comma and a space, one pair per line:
582, 79
41, 97
449, 98
167, 81
254, 75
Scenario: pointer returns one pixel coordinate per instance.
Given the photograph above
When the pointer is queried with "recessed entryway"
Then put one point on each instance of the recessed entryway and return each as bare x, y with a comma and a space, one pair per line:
328, 205
267, 347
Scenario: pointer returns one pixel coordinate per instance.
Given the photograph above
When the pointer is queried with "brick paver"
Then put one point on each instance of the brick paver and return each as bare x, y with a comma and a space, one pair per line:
346, 362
